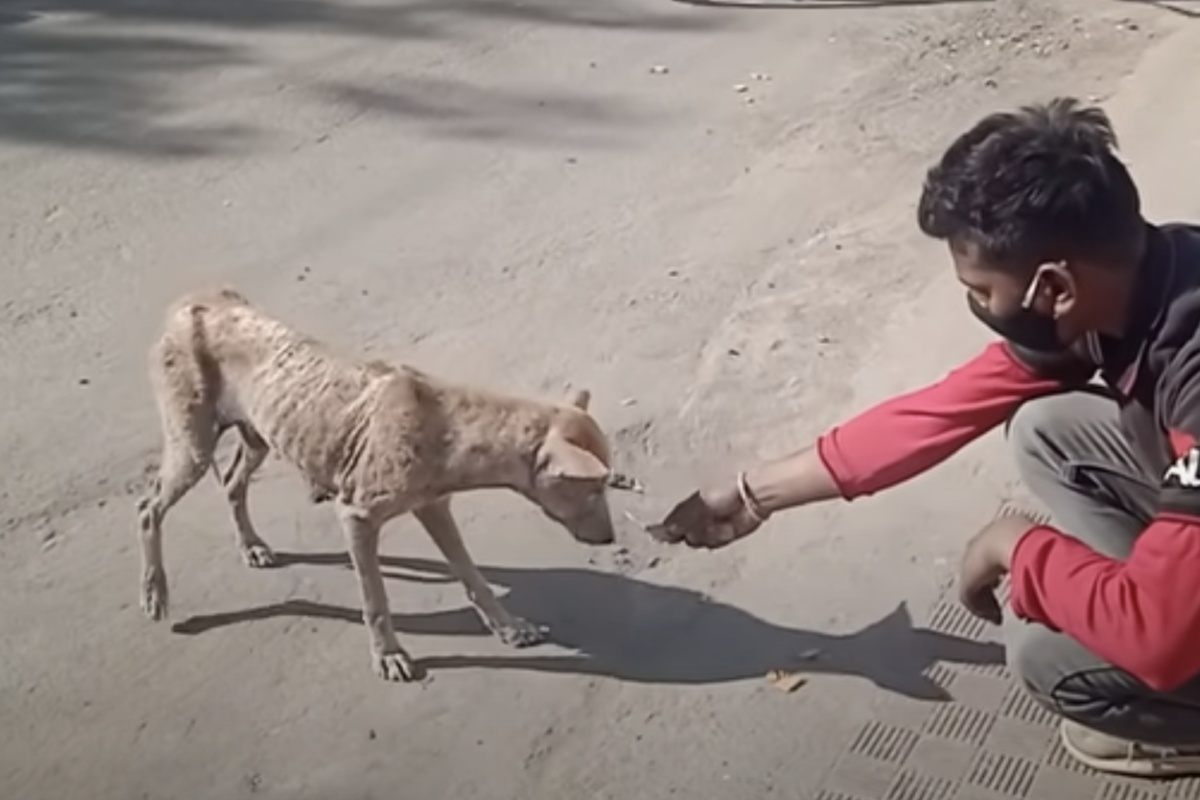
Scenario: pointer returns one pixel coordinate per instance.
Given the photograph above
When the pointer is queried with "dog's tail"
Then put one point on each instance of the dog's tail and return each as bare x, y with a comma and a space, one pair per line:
184, 347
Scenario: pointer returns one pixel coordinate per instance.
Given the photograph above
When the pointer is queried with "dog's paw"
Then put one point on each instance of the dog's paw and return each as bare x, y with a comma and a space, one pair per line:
397, 667
154, 595
522, 633
258, 556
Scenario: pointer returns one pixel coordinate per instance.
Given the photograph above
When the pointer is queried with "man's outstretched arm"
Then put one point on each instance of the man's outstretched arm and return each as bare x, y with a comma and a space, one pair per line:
881, 447
902, 437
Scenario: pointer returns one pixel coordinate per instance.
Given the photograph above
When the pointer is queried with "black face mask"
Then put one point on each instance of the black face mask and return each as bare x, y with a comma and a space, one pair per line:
1026, 328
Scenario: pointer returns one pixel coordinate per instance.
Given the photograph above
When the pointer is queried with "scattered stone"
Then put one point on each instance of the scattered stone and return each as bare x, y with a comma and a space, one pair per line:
785, 681
371, 734
659, 69
254, 782
625, 483
741, 88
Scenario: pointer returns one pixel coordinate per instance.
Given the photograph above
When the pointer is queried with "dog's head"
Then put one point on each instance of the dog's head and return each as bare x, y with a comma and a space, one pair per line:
571, 473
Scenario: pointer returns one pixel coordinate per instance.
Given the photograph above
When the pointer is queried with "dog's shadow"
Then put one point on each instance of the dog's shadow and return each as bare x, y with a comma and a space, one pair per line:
628, 629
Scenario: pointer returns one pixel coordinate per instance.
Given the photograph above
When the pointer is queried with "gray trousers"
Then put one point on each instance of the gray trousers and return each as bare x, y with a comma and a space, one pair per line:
1073, 456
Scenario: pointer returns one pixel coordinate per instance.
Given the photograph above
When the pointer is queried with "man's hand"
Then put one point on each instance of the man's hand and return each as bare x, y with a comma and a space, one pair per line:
987, 559
709, 518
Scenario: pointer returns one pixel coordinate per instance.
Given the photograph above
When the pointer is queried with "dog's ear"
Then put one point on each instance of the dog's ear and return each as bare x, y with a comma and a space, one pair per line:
579, 398
560, 458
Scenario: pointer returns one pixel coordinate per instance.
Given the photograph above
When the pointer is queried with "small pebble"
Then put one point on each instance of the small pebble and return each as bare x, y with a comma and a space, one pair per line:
741, 87
659, 69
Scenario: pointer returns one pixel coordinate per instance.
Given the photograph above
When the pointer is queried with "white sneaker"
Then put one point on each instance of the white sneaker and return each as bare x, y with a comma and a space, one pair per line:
1106, 753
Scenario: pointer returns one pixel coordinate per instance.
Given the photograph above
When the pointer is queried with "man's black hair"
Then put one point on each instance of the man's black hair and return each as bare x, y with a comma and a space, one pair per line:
1039, 184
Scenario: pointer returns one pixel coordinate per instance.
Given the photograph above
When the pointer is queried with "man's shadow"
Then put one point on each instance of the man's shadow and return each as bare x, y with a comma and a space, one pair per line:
635, 631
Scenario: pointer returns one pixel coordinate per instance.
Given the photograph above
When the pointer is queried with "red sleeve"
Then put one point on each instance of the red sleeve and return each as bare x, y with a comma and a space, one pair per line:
1142, 615
902, 437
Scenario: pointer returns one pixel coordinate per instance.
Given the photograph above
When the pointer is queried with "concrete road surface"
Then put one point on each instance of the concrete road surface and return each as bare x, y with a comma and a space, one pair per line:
701, 211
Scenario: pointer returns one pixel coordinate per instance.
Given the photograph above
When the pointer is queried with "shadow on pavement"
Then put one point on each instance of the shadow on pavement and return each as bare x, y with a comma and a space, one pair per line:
816, 5
104, 74
641, 632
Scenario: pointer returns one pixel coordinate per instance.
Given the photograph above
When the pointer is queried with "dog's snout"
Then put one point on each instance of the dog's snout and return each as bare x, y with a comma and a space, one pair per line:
595, 527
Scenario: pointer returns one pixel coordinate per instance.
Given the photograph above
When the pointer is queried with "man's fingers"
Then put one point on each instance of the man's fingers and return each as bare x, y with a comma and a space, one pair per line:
713, 536
687, 516
983, 603
704, 521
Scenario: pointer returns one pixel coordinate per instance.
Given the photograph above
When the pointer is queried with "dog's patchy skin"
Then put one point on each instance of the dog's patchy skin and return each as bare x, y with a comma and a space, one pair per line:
376, 440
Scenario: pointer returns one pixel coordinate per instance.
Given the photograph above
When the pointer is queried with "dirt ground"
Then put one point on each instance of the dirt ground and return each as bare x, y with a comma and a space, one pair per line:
703, 212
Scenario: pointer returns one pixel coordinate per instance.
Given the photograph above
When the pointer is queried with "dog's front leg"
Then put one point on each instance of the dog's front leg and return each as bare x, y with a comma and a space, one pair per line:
439, 522
390, 660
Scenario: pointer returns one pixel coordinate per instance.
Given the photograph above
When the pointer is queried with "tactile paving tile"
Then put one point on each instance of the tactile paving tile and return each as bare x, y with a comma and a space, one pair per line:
991, 742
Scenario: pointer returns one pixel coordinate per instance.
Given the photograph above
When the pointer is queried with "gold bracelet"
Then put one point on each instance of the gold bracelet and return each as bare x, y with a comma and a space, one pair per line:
748, 502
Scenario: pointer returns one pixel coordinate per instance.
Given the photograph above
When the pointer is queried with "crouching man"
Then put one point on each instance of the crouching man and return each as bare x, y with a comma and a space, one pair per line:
1044, 227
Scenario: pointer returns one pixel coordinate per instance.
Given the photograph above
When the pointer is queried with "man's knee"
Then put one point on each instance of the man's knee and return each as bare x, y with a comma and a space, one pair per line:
1061, 675
1031, 651
1033, 429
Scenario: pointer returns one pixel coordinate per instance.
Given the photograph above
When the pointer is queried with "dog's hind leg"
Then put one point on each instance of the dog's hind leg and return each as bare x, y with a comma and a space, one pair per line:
189, 431
389, 659
438, 521
187, 455
251, 451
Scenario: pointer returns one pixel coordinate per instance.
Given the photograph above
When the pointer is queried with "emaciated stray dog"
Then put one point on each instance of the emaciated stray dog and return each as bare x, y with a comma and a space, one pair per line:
377, 440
